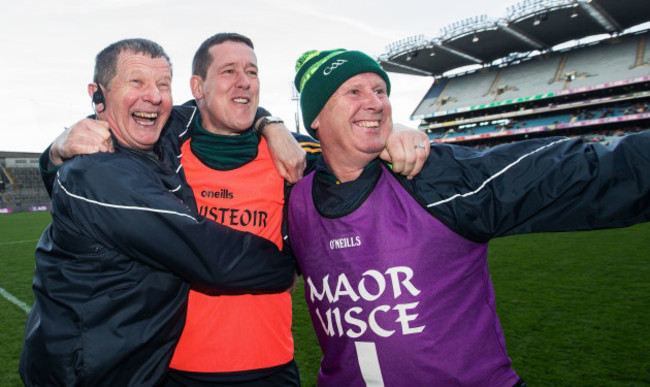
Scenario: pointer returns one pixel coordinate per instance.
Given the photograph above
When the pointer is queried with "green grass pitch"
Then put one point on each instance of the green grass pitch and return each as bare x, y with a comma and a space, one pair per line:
575, 307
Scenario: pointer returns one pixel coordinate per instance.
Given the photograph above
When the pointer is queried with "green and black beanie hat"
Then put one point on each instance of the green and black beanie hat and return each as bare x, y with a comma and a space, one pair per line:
320, 73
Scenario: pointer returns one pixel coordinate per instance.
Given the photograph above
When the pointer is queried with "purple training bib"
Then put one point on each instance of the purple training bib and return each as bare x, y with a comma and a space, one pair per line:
396, 298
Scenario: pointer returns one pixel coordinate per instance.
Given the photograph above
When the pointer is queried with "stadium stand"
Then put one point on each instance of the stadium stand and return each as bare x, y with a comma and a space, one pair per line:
549, 67
21, 188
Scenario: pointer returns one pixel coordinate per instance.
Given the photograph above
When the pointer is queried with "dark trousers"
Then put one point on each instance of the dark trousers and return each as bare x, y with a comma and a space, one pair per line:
281, 376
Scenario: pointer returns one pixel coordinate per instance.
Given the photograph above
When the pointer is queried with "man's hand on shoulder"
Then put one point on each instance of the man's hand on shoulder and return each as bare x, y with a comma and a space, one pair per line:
407, 149
85, 137
289, 158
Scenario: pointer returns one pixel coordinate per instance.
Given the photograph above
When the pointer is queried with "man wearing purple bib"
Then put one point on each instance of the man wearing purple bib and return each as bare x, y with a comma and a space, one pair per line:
396, 274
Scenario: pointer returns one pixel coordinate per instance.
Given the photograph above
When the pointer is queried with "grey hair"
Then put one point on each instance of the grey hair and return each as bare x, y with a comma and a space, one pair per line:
106, 60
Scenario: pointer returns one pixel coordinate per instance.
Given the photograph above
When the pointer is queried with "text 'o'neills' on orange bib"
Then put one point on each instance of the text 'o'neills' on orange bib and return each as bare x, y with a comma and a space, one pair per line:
237, 333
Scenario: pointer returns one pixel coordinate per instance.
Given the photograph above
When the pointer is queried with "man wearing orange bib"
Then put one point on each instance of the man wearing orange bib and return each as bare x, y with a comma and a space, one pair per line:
244, 340
237, 333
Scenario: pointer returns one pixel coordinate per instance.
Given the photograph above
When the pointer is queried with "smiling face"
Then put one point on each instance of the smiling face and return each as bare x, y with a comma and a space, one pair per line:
138, 99
354, 124
229, 95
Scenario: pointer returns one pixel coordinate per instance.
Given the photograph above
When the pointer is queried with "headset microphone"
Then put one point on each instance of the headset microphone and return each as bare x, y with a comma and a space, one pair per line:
98, 97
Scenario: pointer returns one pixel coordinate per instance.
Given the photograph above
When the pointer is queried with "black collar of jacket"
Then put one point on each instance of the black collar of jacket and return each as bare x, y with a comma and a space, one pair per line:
334, 199
154, 155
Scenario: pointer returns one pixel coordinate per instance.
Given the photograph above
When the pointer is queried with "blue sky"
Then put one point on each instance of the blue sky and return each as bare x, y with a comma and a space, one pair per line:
48, 48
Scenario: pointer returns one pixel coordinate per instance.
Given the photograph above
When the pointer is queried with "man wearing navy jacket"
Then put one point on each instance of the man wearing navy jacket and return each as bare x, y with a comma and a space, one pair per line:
114, 267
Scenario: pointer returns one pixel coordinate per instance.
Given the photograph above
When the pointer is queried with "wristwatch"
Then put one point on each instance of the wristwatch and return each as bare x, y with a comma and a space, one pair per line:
268, 120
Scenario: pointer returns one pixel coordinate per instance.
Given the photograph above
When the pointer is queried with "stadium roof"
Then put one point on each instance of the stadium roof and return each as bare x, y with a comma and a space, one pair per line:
530, 26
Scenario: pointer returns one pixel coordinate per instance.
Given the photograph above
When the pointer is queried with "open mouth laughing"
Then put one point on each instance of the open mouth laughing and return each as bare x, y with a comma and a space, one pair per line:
145, 119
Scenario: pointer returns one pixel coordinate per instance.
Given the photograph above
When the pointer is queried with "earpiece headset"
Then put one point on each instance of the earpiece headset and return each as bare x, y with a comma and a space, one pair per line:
98, 97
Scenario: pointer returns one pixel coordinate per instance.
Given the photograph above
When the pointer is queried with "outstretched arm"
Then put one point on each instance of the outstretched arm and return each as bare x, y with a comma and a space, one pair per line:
541, 185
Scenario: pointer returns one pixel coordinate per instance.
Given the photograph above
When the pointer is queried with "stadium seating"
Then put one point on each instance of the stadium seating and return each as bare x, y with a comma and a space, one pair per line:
612, 60
589, 91
21, 189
